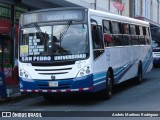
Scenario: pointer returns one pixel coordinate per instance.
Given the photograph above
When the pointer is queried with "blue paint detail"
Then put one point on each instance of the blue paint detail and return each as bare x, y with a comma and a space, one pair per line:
124, 71
82, 82
100, 80
99, 75
99, 87
118, 70
147, 63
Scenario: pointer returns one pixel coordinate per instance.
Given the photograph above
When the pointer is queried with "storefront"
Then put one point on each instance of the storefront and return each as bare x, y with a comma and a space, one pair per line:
9, 18
10, 11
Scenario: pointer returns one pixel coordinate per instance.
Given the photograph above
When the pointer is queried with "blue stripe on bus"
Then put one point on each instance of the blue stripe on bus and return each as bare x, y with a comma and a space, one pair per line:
99, 77
121, 71
147, 63
118, 70
125, 70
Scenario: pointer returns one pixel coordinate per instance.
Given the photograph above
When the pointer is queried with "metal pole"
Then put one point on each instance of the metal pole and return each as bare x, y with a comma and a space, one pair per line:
13, 34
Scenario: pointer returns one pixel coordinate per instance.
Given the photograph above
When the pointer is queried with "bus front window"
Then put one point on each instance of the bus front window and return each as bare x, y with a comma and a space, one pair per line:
57, 42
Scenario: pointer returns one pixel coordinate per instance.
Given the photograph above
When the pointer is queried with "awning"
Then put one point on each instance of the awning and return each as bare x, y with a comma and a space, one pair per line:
4, 30
5, 26
39, 4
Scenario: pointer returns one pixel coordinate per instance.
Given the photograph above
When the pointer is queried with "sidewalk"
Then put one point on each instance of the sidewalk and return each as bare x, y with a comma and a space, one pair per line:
13, 94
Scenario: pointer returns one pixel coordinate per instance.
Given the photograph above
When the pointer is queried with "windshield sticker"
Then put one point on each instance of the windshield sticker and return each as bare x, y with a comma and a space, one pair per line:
70, 57
34, 48
23, 50
37, 58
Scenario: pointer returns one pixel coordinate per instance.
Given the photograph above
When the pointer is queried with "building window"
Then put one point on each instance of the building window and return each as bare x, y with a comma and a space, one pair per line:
5, 10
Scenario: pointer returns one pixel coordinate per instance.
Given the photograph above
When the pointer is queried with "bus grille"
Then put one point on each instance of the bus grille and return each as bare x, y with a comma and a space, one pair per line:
53, 71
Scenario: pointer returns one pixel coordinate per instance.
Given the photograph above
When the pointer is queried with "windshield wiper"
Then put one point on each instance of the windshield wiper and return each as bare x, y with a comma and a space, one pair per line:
64, 31
39, 31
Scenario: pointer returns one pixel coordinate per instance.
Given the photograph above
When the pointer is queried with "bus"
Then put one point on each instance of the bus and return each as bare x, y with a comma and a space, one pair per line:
156, 52
80, 50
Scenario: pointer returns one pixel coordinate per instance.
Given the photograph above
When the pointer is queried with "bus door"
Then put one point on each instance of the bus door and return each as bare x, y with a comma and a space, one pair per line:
99, 62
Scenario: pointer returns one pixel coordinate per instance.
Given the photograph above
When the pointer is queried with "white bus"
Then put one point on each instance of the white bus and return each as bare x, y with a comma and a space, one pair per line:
68, 50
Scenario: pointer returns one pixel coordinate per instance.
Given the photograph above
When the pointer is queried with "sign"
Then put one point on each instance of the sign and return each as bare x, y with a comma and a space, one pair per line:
53, 15
69, 57
5, 26
24, 50
118, 6
36, 58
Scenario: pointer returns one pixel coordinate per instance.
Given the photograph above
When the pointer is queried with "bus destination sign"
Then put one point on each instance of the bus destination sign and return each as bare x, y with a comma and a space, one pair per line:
51, 16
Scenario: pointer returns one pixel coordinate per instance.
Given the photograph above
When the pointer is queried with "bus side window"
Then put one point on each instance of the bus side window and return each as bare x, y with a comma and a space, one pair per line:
107, 33
118, 41
137, 34
147, 37
141, 36
134, 35
97, 37
126, 34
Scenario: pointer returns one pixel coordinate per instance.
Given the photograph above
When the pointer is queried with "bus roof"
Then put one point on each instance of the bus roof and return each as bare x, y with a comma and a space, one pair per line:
115, 17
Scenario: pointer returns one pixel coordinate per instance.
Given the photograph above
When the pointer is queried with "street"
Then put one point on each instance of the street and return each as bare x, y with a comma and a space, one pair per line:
127, 97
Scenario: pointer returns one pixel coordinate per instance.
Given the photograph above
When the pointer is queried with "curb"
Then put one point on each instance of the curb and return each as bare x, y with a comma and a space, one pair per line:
16, 97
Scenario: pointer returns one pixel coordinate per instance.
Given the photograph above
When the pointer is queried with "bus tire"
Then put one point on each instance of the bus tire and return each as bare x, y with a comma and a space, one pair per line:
107, 92
139, 78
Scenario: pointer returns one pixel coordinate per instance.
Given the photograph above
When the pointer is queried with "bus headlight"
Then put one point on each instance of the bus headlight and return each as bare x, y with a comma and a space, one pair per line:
24, 74
84, 71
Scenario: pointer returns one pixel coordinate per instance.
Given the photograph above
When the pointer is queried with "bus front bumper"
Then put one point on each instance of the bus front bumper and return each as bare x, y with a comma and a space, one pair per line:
156, 61
82, 84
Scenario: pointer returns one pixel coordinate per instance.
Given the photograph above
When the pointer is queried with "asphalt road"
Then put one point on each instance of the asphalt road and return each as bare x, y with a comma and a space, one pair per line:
127, 96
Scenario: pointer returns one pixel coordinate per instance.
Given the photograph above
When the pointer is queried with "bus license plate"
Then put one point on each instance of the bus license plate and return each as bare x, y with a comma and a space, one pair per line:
53, 84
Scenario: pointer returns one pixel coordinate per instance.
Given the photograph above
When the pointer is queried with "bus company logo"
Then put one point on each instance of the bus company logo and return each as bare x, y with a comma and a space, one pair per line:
53, 77
6, 114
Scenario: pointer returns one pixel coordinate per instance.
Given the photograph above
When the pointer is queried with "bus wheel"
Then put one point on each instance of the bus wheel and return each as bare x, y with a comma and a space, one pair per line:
107, 92
139, 78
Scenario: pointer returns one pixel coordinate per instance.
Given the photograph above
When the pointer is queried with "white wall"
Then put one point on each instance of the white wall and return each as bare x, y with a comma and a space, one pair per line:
126, 8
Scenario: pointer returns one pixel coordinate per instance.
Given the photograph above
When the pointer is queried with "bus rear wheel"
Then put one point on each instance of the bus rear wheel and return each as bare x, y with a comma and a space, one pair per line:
139, 78
109, 85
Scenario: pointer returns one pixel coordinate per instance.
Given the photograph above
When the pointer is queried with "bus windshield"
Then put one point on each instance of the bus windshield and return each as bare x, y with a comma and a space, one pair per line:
156, 45
54, 43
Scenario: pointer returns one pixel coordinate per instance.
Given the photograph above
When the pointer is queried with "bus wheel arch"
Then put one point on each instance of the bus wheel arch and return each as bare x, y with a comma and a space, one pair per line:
106, 93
